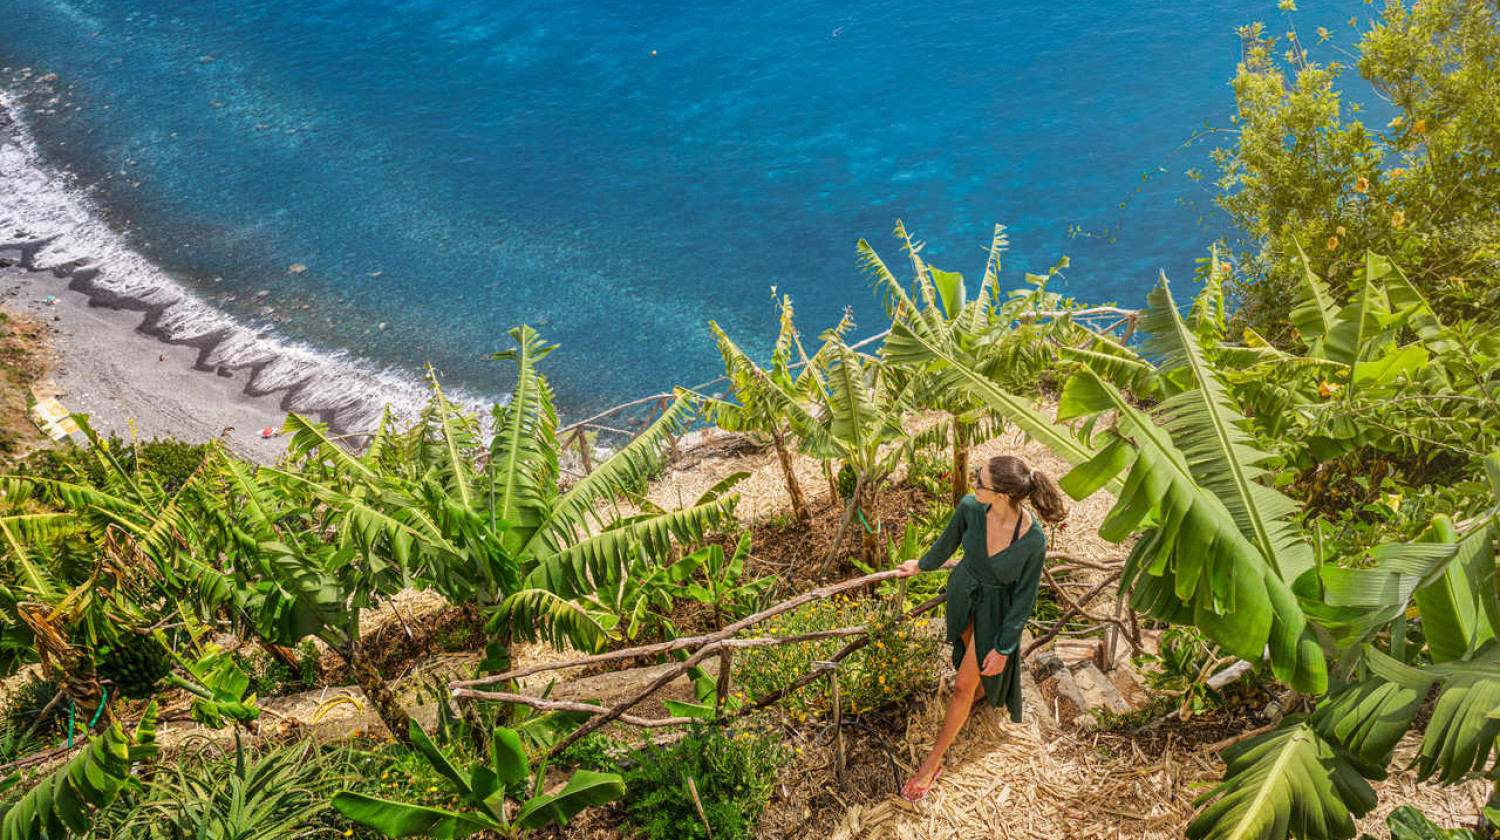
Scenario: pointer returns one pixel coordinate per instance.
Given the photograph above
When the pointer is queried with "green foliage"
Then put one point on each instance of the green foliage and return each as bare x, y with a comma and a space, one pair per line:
899, 661
733, 773
65, 800
483, 793
23, 726
1306, 169
276, 795
1407, 823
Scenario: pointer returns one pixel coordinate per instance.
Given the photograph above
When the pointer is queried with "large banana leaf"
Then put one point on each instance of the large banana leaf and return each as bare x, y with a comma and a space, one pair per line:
399, 819
1193, 563
585, 789
522, 468
1287, 780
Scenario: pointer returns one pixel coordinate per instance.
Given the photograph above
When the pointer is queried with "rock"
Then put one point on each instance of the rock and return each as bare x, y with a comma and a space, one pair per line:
1062, 696
1074, 651
296, 268
1128, 683
382, 325
1098, 691
262, 293
48, 79
1046, 663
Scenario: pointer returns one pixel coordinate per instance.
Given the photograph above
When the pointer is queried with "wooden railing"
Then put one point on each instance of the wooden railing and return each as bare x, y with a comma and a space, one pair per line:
723, 643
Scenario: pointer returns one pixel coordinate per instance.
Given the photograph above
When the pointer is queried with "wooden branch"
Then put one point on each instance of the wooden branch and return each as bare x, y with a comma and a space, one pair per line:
565, 706
772, 697
1074, 608
687, 641
728, 632
1074, 560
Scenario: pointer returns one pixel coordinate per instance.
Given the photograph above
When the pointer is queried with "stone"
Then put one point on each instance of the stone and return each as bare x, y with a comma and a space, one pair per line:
48, 79
296, 268
1062, 696
1098, 692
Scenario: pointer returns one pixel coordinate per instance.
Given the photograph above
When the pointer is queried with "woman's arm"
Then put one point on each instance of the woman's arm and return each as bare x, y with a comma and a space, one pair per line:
947, 542
1022, 603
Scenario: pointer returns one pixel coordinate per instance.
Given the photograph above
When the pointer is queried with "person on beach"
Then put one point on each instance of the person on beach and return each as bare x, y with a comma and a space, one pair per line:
991, 592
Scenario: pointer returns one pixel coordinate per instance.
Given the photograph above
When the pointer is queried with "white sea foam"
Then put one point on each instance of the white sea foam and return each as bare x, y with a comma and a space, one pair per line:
55, 225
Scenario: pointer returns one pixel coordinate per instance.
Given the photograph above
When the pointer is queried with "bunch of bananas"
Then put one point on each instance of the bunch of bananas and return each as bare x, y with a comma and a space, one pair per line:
134, 665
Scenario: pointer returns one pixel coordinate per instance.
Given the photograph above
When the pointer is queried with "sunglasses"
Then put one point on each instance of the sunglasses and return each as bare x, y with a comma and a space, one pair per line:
980, 485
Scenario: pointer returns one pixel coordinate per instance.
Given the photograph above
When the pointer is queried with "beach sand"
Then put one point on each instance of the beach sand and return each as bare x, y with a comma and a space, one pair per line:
103, 366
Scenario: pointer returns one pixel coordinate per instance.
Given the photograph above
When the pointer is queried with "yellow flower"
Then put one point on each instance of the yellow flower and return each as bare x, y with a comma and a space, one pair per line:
348, 832
1398, 219
1420, 126
1328, 389
1361, 185
1396, 123
1339, 230
1398, 173
432, 789
1333, 242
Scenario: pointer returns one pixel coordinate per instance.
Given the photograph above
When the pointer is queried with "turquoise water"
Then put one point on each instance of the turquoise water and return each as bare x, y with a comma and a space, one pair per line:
617, 174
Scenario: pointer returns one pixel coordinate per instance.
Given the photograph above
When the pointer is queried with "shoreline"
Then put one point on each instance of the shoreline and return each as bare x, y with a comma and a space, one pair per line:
103, 363
119, 314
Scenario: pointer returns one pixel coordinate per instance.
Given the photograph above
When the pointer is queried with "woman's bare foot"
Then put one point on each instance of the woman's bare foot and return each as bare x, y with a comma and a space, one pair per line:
917, 787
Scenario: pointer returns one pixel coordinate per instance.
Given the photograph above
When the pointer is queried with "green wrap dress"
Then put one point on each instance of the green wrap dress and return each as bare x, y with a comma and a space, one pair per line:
995, 593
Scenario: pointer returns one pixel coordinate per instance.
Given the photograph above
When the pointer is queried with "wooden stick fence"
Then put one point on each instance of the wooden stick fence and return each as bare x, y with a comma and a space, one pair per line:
724, 642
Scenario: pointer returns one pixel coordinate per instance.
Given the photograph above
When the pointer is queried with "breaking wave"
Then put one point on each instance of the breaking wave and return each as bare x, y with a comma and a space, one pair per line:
52, 226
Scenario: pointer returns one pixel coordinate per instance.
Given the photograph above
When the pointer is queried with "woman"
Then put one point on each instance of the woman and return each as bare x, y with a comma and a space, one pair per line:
991, 593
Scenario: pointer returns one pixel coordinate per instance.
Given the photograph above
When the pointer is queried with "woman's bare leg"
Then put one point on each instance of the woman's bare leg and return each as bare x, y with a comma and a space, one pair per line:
967, 689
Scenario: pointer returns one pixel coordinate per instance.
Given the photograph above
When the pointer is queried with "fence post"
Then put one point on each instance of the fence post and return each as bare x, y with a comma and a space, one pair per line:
583, 450
661, 405
726, 667
838, 719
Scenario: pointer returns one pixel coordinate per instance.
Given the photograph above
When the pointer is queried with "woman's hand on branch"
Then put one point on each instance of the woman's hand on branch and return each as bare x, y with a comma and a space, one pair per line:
994, 663
908, 568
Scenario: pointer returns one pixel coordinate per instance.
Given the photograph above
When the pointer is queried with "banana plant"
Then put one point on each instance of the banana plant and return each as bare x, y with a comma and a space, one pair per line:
502, 795
65, 801
941, 301
757, 410
723, 587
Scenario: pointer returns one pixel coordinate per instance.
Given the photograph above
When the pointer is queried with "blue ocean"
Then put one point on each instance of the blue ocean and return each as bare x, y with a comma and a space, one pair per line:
398, 184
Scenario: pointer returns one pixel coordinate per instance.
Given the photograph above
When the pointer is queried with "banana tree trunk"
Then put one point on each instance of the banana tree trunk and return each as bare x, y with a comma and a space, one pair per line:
960, 477
833, 483
870, 549
379, 693
799, 505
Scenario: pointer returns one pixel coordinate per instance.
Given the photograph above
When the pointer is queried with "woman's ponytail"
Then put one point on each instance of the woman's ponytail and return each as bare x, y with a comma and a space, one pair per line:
1046, 498
1014, 478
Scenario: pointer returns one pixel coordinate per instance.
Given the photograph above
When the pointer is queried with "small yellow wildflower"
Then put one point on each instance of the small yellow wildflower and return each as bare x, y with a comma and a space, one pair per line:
1333, 243
1328, 389
432, 789
1420, 126
1340, 230
1396, 123
1398, 219
1398, 173
348, 832
1361, 185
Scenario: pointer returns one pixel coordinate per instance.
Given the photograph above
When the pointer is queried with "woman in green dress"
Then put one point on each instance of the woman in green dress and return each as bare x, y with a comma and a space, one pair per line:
991, 592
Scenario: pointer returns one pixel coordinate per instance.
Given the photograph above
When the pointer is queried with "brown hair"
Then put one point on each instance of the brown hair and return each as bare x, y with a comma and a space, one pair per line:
1011, 475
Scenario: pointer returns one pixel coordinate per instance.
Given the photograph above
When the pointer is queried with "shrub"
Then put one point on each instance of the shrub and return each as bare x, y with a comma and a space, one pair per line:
901, 658
734, 774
